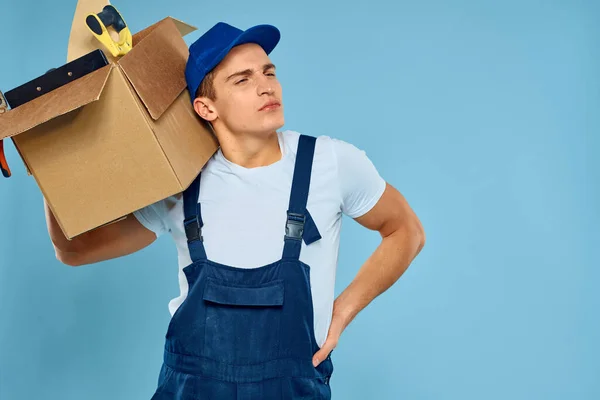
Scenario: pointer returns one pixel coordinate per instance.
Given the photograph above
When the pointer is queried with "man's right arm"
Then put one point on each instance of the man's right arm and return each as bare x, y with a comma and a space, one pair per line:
110, 241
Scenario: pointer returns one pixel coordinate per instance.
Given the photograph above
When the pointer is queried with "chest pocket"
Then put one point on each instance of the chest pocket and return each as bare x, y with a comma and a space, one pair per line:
269, 294
243, 322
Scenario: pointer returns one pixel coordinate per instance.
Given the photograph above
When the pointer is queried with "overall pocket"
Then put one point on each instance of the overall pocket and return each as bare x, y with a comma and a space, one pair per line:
242, 323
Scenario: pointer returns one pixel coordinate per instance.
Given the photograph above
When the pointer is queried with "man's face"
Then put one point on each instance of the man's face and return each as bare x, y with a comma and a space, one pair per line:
248, 94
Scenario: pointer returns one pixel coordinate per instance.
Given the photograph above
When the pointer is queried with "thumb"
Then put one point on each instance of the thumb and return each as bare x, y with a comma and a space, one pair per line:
323, 353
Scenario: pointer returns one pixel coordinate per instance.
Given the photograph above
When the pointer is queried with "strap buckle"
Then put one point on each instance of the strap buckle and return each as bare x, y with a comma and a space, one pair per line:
294, 227
193, 230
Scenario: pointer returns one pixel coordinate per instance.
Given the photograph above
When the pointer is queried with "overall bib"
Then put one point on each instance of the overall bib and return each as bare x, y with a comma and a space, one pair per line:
247, 334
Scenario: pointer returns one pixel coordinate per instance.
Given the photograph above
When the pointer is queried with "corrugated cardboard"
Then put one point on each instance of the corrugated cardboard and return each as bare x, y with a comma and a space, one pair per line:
118, 139
156, 76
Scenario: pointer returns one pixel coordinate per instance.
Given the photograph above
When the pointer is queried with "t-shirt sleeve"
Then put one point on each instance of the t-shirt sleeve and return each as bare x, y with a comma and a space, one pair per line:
361, 185
153, 217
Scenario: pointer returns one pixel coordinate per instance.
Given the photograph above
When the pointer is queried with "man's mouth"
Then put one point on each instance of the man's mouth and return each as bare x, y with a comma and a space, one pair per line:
272, 105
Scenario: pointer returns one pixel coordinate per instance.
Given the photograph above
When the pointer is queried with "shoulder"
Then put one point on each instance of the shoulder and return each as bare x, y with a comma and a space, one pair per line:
326, 147
171, 201
161, 208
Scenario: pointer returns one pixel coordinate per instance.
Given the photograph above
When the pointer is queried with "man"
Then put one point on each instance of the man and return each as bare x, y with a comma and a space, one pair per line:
257, 235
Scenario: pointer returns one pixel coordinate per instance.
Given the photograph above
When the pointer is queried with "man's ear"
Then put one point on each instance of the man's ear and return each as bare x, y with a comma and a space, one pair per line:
205, 108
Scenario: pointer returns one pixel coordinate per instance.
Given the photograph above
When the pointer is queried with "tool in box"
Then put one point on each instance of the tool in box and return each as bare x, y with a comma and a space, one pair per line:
55, 78
51, 80
3, 164
109, 16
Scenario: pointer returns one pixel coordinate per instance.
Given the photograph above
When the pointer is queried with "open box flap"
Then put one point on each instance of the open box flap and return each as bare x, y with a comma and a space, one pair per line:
60, 101
183, 28
156, 67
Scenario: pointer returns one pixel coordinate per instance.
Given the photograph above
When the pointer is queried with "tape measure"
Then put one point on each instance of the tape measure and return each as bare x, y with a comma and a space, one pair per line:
109, 16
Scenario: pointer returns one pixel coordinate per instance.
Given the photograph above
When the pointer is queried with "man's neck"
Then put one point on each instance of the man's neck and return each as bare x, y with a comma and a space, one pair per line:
250, 151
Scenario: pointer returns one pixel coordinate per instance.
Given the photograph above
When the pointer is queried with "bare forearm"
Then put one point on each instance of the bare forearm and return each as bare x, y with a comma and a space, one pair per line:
61, 243
381, 270
403, 238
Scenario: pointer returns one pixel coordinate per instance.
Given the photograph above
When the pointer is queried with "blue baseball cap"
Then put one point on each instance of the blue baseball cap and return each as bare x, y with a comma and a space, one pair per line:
213, 46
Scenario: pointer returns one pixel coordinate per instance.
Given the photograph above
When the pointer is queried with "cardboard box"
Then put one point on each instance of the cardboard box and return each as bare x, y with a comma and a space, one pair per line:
119, 138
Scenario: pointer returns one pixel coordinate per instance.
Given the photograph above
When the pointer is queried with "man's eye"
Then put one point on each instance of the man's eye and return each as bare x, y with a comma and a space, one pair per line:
271, 73
241, 81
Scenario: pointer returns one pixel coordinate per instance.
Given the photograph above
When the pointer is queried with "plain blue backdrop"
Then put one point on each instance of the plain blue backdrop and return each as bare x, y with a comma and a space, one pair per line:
484, 114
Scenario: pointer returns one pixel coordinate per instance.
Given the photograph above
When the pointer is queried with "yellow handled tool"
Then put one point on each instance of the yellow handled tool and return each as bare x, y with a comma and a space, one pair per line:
109, 16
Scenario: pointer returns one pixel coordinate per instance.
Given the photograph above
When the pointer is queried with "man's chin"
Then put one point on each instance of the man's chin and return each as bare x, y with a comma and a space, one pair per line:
273, 125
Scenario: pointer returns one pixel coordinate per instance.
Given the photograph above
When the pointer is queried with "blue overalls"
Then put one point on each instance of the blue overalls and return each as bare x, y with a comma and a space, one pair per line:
247, 334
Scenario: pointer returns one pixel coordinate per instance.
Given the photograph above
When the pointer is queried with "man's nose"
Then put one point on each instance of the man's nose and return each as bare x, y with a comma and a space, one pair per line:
265, 86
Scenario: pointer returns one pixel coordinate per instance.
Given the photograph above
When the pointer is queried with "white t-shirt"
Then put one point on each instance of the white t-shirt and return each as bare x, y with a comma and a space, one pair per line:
244, 213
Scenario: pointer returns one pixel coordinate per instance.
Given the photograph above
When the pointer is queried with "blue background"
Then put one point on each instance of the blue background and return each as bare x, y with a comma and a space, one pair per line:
484, 114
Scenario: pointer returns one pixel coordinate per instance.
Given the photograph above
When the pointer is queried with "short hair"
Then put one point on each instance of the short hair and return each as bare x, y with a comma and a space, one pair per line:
207, 87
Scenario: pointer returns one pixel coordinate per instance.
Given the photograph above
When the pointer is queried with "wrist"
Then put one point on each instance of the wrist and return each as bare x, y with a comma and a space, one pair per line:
343, 311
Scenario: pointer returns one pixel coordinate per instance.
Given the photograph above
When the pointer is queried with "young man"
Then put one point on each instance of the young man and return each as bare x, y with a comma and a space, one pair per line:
257, 235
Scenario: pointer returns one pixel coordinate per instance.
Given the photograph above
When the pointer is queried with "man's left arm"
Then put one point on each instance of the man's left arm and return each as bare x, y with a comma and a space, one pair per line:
403, 238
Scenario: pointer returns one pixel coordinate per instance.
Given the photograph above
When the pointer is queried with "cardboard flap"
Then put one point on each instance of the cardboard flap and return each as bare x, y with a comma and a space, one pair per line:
81, 40
57, 102
183, 28
156, 67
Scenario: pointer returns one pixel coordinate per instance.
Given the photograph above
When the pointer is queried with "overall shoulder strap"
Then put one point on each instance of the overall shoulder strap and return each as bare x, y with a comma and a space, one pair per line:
192, 220
300, 225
